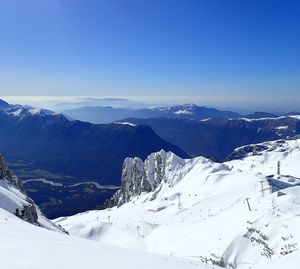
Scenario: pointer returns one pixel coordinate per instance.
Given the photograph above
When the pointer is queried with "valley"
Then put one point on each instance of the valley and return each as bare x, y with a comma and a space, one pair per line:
61, 195
149, 134
171, 209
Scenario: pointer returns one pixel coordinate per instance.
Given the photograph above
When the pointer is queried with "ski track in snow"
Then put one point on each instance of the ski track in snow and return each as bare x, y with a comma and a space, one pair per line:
212, 219
25, 246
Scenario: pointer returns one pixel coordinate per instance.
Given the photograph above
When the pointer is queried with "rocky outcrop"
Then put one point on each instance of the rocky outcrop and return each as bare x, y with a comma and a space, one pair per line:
139, 176
13, 197
14, 200
280, 145
160, 168
6, 174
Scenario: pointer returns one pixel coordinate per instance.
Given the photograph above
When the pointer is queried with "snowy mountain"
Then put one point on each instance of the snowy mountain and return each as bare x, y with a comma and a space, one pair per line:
282, 145
156, 171
29, 240
225, 214
42, 146
193, 111
217, 138
61, 146
106, 114
22, 111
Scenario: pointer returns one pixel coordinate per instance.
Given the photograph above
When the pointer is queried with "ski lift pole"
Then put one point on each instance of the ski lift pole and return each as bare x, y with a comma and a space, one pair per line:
247, 199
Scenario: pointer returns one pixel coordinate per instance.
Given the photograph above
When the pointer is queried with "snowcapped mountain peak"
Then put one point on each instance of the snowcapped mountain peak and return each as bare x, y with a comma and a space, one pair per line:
190, 111
23, 111
185, 109
160, 170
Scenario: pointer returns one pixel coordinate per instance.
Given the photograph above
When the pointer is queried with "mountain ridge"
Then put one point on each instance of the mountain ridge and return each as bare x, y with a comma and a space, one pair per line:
217, 138
107, 114
43, 144
229, 206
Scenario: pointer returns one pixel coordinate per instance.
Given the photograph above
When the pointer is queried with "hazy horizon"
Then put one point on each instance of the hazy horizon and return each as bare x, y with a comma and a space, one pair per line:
227, 54
225, 104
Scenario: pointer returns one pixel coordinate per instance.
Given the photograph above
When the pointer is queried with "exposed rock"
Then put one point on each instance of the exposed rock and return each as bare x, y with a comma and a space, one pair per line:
159, 168
8, 175
280, 145
139, 176
14, 195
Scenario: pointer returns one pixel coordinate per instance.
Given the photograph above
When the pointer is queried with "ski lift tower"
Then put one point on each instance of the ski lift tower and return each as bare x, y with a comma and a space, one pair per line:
179, 201
278, 168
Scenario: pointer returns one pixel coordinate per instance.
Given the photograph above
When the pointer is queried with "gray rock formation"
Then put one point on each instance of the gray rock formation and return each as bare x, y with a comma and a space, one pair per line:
24, 206
148, 176
5, 173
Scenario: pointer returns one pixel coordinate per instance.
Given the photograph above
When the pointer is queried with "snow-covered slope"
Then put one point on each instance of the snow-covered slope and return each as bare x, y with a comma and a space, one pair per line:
198, 208
264, 157
25, 246
22, 111
160, 169
271, 236
14, 200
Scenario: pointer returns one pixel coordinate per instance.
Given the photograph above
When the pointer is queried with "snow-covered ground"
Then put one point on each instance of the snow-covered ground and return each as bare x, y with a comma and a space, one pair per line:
125, 123
197, 214
26, 246
28, 240
14, 200
224, 214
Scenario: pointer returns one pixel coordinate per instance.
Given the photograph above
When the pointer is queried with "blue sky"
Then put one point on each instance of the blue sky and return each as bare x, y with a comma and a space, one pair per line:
220, 52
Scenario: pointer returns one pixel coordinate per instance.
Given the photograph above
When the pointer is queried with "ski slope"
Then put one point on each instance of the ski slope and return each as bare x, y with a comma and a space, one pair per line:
26, 246
29, 240
203, 212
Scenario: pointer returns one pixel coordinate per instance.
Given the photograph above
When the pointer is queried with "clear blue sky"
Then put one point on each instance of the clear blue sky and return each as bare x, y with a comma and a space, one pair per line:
219, 50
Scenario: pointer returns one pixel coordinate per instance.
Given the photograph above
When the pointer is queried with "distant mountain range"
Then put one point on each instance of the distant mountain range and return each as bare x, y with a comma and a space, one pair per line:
97, 102
217, 138
109, 114
259, 115
41, 143
70, 166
